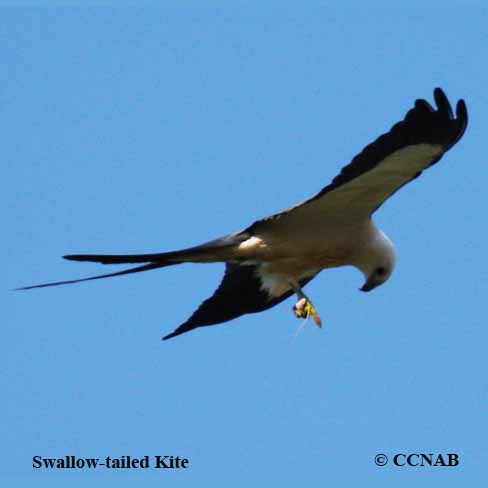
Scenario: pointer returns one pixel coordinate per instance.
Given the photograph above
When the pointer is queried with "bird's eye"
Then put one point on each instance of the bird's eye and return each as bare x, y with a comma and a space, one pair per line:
381, 271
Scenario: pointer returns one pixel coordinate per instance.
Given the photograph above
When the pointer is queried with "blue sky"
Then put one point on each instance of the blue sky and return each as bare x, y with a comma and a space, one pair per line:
144, 130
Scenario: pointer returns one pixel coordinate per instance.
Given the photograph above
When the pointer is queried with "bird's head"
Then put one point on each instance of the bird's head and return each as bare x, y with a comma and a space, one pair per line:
379, 263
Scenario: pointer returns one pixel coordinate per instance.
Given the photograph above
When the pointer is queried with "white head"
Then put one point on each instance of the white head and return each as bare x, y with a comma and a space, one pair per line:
378, 261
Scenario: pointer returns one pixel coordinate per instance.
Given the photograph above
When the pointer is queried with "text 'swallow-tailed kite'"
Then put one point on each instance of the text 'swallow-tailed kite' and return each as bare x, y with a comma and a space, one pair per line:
277, 256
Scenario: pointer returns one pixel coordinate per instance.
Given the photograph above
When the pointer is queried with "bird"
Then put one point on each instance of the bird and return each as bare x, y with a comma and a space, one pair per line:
275, 257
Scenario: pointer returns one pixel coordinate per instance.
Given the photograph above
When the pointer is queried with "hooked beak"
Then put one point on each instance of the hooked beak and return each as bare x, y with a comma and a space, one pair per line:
368, 286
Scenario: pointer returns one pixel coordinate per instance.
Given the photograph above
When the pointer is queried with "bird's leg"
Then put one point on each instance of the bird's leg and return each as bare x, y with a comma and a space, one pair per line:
304, 307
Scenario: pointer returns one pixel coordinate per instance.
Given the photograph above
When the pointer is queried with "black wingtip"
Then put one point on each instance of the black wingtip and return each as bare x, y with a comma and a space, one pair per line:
439, 93
183, 328
442, 102
421, 104
172, 334
459, 123
462, 112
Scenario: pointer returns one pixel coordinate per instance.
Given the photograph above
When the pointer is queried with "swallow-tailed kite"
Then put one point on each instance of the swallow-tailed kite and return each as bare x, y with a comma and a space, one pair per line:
277, 256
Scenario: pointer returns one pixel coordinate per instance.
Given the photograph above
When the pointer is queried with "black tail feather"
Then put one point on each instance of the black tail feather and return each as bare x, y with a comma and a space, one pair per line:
206, 252
119, 258
146, 267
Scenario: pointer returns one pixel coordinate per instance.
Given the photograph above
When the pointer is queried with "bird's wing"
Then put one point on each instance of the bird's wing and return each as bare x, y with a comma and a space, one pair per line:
383, 167
240, 292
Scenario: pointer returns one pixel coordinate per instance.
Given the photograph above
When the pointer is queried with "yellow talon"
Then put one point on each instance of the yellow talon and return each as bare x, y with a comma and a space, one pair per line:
304, 309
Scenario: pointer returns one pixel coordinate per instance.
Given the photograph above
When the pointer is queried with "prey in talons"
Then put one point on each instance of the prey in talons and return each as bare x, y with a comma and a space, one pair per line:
304, 308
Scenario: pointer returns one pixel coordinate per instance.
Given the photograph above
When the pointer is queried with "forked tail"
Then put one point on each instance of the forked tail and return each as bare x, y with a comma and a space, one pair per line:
152, 261
145, 267
212, 251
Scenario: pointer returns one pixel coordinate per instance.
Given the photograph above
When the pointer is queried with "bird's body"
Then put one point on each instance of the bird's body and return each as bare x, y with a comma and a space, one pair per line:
295, 254
278, 255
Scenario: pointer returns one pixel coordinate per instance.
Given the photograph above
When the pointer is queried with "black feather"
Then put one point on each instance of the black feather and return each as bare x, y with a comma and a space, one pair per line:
138, 269
239, 293
422, 124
